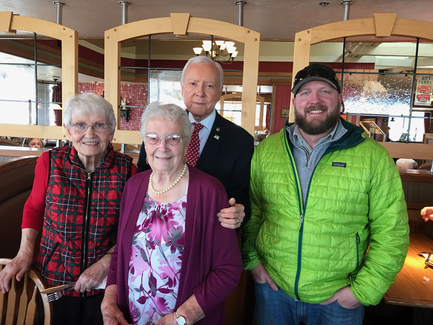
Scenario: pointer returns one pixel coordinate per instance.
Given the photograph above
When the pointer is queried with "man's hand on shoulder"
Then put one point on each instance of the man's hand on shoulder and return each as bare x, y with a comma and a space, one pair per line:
345, 298
233, 216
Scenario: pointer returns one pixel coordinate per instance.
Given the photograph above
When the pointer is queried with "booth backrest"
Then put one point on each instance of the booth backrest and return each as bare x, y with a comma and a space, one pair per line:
16, 180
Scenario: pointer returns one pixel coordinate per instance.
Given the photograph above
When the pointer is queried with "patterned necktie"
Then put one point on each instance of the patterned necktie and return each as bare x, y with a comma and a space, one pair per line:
194, 145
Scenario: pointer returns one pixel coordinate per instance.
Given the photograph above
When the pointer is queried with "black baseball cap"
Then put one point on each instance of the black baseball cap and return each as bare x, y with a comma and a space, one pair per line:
316, 71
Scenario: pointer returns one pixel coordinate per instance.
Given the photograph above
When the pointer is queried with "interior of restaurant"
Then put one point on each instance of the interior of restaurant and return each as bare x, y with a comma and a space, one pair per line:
384, 62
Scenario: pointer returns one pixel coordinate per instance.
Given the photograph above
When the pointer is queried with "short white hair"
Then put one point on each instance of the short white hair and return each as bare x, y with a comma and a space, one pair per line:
88, 104
204, 59
171, 112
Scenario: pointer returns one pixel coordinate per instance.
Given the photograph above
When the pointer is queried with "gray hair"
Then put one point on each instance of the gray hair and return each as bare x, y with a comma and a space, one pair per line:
88, 104
171, 112
204, 59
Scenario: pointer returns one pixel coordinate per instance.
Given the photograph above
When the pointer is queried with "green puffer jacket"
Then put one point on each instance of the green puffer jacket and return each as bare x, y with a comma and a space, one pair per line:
355, 202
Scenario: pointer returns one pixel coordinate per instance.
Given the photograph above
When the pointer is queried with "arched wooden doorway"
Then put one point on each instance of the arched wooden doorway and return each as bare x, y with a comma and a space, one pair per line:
10, 22
181, 24
380, 25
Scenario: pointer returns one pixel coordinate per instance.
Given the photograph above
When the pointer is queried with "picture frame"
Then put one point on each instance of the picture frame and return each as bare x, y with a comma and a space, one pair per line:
285, 112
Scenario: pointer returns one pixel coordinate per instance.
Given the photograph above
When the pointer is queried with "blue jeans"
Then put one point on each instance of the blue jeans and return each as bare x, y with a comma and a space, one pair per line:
277, 308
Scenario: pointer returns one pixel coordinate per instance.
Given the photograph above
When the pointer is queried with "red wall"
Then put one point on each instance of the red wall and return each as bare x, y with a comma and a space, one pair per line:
134, 94
281, 100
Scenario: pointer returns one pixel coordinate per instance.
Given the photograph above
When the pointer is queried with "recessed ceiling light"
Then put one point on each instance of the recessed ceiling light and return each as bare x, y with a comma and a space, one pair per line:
324, 3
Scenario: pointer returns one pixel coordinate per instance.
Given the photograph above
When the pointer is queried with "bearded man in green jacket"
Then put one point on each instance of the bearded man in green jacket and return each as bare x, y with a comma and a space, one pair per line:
329, 229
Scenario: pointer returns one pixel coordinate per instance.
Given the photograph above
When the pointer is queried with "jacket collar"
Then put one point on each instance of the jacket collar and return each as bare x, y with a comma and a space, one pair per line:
351, 138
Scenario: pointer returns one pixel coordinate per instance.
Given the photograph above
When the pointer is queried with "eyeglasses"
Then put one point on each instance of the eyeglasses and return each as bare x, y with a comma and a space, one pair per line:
171, 140
97, 127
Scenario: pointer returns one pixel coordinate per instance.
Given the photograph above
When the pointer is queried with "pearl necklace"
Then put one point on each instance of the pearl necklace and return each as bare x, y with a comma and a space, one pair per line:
168, 188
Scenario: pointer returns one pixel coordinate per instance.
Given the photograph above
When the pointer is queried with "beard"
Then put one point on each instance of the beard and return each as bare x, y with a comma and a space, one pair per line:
314, 128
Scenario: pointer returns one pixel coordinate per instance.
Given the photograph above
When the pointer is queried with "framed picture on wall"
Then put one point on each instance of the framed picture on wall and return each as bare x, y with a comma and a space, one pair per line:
285, 112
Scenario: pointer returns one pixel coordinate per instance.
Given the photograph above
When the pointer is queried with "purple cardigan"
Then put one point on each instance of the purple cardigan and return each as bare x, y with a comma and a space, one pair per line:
211, 261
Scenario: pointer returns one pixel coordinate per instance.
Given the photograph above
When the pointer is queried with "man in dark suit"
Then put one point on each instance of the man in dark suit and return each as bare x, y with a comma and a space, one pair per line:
225, 148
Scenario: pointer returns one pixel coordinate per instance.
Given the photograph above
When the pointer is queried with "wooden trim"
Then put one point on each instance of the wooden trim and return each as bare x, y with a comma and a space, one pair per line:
409, 150
31, 131
69, 38
180, 23
9, 151
416, 175
378, 26
141, 28
416, 206
301, 58
383, 24
6, 21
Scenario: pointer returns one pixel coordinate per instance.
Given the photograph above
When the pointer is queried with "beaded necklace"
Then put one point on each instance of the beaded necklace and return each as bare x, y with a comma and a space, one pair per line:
168, 188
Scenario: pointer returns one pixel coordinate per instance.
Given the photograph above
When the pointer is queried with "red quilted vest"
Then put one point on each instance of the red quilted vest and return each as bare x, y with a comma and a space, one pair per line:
81, 214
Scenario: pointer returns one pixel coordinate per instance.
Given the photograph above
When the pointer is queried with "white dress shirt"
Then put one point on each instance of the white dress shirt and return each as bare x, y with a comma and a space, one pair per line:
203, 135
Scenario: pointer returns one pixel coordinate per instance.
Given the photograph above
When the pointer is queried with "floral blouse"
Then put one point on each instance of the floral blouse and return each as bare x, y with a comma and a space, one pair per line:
156, 259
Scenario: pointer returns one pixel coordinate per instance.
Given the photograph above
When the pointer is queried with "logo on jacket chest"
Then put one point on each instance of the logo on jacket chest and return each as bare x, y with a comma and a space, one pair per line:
339, 164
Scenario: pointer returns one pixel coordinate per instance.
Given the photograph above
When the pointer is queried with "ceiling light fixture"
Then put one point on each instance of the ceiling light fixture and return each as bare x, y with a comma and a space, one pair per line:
324, 3
221, 51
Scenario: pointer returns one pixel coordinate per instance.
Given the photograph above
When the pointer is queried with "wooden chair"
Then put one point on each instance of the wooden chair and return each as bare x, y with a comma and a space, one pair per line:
18, 306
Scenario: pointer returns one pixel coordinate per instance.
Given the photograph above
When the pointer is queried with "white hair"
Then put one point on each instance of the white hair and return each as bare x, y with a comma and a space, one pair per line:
88, 104
204, 59
171, 112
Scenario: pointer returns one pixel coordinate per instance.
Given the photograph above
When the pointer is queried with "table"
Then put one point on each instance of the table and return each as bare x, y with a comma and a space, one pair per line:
417, 175
409, 288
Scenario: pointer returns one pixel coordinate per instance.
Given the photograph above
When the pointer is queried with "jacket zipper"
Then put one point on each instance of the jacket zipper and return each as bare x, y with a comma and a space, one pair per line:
84, 245
358, 240
302, 208
301, 216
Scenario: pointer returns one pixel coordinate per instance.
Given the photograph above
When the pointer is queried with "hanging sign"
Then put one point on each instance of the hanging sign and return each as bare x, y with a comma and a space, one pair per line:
423, 91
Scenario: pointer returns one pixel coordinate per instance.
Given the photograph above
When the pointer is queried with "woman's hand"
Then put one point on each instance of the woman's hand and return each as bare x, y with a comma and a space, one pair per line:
190, 309
93, 275
111, 314
22, 262
169, 319
17, 267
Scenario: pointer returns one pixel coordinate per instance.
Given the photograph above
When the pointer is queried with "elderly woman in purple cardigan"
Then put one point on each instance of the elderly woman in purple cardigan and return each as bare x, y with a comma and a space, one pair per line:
174, 263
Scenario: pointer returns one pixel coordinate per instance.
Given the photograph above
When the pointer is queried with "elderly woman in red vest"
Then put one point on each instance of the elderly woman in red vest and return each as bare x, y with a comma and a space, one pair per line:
174, 263
75, 201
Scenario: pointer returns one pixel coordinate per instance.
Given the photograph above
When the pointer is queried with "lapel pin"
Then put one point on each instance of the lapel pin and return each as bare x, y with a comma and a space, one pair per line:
218, 129
216, 136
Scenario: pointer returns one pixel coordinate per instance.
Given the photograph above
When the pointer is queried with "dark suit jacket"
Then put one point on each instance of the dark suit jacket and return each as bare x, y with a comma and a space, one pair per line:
227, 157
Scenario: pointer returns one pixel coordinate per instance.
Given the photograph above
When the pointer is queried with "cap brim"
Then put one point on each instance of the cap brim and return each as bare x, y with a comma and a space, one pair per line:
312, 78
